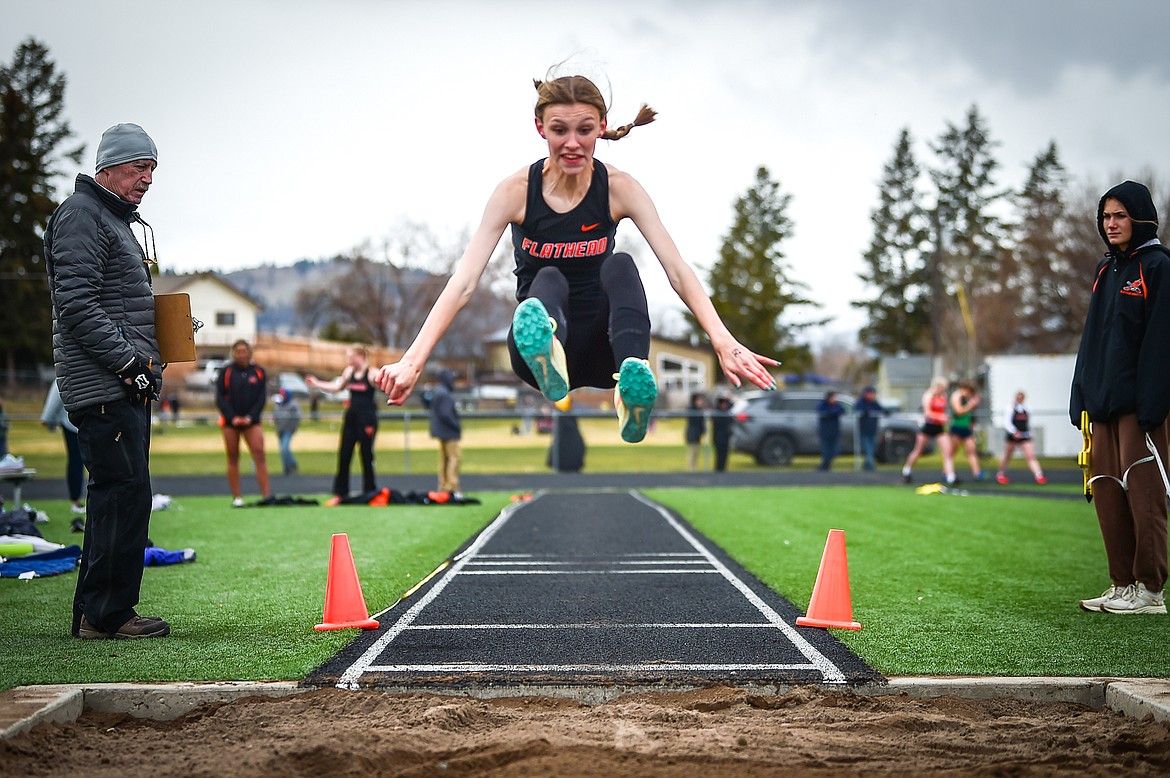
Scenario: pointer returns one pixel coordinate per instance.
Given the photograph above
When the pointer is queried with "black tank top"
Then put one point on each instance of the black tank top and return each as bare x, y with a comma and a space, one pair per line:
361, 395
576, 242
1020, 418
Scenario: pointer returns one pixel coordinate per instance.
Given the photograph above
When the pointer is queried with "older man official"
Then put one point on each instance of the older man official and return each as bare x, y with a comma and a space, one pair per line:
108, 369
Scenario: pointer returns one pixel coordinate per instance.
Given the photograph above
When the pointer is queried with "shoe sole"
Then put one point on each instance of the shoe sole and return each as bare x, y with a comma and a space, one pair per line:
1136, 611
534, 336
638, 391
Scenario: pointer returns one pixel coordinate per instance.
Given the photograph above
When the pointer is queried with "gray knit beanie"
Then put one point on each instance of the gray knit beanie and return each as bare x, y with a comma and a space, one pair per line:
124, 143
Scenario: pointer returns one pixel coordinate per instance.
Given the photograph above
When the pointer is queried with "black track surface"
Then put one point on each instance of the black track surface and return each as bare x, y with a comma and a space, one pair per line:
592, 587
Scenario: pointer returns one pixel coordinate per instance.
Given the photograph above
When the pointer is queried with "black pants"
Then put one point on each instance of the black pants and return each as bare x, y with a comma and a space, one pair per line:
598, 329
114, 439
74, 469
356, 430
720, 444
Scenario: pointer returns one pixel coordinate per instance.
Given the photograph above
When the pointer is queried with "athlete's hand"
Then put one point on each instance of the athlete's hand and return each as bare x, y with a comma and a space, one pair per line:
397, 381
738, 362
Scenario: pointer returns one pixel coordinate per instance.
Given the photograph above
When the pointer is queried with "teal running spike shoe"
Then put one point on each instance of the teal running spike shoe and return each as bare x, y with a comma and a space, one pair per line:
634, 397
532, 329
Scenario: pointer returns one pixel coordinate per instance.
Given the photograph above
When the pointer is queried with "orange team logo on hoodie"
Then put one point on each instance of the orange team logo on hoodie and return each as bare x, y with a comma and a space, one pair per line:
1134, 288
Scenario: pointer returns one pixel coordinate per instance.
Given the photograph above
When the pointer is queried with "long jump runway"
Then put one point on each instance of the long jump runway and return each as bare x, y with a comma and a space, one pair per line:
588, 588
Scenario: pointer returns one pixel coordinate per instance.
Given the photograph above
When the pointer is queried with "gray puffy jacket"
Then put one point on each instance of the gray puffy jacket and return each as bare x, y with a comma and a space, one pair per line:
103, 306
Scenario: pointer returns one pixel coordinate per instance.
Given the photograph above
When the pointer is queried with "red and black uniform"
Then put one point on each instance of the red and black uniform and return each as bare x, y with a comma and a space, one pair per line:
359, 428
567, 261
240, 391
935, 416
1122, 378
1018, 421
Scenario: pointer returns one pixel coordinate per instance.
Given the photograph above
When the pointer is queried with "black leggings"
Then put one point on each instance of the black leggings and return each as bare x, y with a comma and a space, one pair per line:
356, 430
598, 331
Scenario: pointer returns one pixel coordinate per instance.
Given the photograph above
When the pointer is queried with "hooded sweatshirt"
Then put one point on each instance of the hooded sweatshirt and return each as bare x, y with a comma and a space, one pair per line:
1123, 364
444, 416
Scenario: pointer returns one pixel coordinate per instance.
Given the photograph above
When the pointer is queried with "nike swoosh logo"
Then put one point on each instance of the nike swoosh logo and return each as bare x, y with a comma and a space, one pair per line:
587, 227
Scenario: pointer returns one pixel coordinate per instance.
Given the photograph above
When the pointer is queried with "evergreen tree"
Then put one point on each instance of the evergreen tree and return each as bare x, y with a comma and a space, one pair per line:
32, 131
1049, 272
750, 284
895, 264
972, 260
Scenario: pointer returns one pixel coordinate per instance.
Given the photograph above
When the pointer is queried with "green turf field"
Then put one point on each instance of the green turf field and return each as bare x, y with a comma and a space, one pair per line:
942, 584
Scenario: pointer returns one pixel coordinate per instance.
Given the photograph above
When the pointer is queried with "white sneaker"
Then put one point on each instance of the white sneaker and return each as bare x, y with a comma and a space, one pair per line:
1136, 599
77, 510
1095, 604
238, 502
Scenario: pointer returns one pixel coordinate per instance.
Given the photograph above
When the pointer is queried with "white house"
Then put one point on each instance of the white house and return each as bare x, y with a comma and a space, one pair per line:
226, 313
1046, 381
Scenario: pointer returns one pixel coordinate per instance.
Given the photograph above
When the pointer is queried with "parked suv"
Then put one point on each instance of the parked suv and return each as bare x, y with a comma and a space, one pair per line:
775, 426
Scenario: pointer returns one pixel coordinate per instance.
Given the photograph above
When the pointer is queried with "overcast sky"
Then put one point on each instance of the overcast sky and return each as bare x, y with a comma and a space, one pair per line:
292, 129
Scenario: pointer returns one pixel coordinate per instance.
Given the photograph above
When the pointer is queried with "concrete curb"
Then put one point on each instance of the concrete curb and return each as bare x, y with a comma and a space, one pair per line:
25, 707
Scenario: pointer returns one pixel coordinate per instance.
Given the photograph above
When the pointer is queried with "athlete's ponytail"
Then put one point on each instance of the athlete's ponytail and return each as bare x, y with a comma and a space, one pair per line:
645, 115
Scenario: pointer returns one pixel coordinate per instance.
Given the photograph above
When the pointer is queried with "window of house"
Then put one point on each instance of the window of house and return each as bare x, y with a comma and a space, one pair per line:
225, 318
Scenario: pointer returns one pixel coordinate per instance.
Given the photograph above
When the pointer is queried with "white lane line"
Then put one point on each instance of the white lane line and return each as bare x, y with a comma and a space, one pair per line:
590, 561
614, 625
505, 556
652, 667
609, 571
830, 671
583, 556
349, 678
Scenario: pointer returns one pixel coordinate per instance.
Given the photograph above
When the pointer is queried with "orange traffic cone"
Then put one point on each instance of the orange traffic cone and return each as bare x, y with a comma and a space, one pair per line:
345, 607
830, 604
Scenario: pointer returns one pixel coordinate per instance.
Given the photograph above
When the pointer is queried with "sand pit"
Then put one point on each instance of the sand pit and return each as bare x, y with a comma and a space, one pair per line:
716, 731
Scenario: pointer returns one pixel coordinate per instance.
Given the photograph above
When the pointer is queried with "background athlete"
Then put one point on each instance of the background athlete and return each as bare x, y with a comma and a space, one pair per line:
240, 394
359, 427
934, 420
1018, 433
582, 313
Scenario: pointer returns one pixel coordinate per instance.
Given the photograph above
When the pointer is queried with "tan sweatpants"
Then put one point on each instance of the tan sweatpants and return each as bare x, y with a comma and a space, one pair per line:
1133, 522
449, 460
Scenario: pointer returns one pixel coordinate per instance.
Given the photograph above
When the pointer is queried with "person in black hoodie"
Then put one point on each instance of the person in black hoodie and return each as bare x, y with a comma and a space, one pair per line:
447, 429
1122, 381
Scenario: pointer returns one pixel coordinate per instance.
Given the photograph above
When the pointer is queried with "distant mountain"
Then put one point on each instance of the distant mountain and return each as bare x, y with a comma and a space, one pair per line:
276, 287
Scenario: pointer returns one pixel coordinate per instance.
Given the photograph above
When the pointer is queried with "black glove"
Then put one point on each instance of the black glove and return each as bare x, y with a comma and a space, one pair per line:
141, 384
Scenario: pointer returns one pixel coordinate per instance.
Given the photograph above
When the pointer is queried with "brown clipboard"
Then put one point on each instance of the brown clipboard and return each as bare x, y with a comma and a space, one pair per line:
174, 328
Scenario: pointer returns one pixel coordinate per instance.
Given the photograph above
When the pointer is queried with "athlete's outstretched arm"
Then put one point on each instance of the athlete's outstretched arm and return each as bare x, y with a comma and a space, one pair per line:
505, 206
334, 385
628, 198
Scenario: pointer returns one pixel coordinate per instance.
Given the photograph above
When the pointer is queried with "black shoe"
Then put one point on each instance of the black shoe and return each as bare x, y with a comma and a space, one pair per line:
77, 526
269, 500
907, 478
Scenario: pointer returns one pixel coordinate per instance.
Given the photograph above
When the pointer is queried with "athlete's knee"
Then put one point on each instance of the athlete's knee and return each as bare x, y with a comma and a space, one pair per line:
549, 280
619, 268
